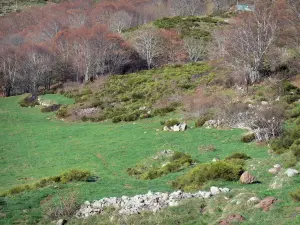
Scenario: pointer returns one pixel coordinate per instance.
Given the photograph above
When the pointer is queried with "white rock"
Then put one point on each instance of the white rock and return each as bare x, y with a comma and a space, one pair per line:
214, 190
253, 200
224, 190
166, 128
176, 128
173, 203
277, 166
291, 172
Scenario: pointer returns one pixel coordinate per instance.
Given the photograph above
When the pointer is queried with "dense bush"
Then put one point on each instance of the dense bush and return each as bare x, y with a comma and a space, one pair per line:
171, 122
29, 101
296, 195
51, 108
247, 138
62, 112
296, 149
74, 175
69, 176
196, 177
177, 161
284, 143
201, 121
238, 155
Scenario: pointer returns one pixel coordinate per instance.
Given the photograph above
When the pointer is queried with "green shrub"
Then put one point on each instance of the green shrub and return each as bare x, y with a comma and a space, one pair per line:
283, 144
176, 162
171, 122
28, 101
74, 175
247, 138
51, 108
296, 149
62, 112
294, 113
196, 177
201, 121
238, 155
296, 195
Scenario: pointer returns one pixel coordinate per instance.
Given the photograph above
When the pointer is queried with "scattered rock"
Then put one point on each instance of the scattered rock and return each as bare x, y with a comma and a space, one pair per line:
291, 172
264, 103
247, 178
232, 218
253, 200
215, 159
266, 203
176, 127
166, 128
138, 203
212, 124
214, 190
61, 222
275, 170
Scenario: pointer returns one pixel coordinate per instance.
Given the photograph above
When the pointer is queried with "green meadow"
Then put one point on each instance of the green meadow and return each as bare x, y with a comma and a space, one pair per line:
35, 145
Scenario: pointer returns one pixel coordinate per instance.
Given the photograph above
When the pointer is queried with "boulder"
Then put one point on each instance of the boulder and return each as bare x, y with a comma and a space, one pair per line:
247, 178
232, 219
166, 128
291, 172
183, 126
266, 203
253, 200
214, 190
61, 222
175, 128
274, 171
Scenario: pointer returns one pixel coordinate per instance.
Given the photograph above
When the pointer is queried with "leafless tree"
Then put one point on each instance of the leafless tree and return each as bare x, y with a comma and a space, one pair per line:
148, 44
247, 42
119, 21
196, 48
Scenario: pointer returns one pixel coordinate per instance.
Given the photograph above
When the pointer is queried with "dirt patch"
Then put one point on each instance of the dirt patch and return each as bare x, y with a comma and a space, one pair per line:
232, 218
99, 156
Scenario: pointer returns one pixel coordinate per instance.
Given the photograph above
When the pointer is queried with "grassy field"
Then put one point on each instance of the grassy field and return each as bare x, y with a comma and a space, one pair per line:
34, 145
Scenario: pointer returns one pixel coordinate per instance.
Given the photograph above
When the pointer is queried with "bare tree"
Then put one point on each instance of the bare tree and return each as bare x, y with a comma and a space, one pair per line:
119, 21
247, 41
148, 42
196, 48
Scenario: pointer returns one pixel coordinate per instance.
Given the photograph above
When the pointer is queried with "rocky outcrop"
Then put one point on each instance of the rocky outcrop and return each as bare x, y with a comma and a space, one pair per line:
266, 203
275, 170
138, 203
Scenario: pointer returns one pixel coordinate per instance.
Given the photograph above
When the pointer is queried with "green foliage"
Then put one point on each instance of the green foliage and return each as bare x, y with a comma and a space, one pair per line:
51, 108
296, 195
195, 178
74, 175
284, 143
201, 121
238, 155
28, 101
296, 149
177, 161
171, 122
69, 176
62, 112
247, 138
191, 26
123, 97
